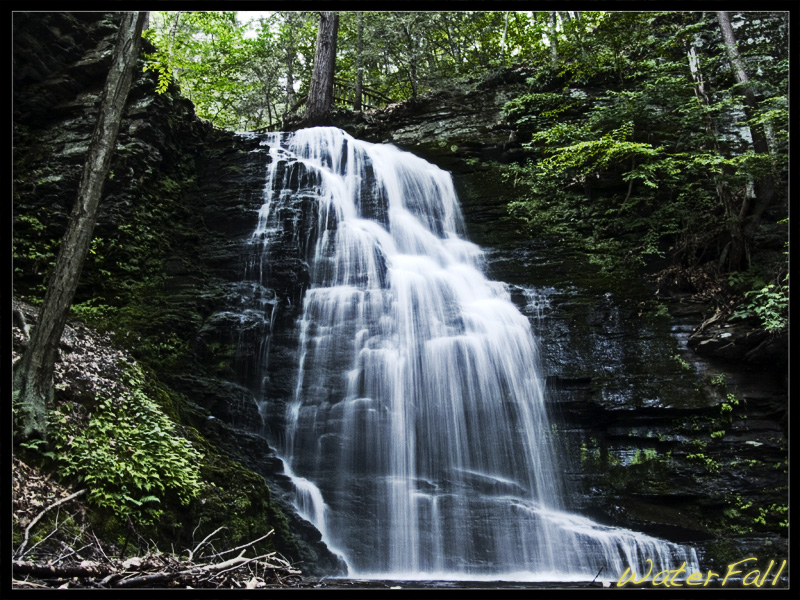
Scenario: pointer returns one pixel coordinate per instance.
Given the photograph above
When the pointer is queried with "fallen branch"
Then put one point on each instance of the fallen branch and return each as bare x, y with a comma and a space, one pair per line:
238, 562
50, 571
179, 575
263, 537
18, 582
38, 517
203, 543
164, 570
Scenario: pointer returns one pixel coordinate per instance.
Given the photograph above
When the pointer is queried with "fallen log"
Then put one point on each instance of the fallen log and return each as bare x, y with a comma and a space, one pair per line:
50, 571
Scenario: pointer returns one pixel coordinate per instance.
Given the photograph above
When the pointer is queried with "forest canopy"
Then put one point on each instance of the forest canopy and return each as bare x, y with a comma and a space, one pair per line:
248, 73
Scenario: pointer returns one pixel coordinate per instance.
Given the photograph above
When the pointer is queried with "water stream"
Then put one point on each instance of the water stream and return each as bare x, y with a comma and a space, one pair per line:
417, 434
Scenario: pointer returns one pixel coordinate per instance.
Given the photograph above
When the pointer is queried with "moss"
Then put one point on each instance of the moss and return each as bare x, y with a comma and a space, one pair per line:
236, 499
723, 552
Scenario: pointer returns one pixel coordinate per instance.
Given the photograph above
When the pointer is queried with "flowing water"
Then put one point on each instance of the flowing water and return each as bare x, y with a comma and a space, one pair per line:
417, 436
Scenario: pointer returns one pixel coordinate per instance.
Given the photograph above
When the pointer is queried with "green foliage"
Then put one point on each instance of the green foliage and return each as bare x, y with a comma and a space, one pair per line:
586, 157
404, 54
249, 75
645, 163
34, 249
218, 66
127, 453
711, 465
92, 312
683, 364
643, 456
769, 304
743, 516
536, 109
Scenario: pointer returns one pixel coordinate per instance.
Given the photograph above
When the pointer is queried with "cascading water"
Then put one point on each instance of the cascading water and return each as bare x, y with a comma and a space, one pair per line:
417, 434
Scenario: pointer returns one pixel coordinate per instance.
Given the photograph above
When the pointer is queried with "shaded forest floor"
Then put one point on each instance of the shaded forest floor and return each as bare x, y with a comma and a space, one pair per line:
58, 549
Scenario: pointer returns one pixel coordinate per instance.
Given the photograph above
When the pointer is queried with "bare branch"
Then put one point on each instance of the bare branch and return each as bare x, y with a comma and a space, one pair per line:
38, 517
60, 558
205, 540
17, 582
263, 537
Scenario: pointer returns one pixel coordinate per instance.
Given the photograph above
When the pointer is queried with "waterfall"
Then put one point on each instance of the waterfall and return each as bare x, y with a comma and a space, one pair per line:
417, 431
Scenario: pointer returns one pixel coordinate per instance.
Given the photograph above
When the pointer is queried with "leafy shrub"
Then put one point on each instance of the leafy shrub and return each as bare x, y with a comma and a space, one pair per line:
129, 454
770, 305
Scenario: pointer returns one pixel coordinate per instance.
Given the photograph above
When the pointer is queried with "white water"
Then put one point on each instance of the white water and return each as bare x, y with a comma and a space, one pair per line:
417, 434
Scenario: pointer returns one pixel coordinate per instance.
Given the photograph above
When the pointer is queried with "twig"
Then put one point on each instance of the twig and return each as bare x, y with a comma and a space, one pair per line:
225, 564
30, 583
205, 540
241, 564
43, 540
200, 522
598, 573
99, 547
38, 517
127, 538
59, 559
271, 531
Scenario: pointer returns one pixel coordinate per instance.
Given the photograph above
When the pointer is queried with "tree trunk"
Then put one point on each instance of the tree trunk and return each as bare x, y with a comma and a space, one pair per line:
33, 377
503, 40
745, 223
724, 195
412, 61
359, 64
552, 34
290, 54
320, 95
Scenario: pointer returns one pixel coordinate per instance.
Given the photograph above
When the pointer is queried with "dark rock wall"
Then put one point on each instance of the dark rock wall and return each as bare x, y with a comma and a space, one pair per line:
463, 121
170, 253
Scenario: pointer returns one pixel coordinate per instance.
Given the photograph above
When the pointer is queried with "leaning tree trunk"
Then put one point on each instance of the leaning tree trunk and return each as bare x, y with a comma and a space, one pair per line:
320, 94
33, 376
745, 222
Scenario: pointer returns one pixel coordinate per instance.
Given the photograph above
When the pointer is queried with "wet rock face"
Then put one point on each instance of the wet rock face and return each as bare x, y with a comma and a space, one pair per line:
741, 343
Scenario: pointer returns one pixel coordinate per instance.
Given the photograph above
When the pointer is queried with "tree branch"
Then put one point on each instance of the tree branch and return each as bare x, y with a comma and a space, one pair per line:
38, 518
